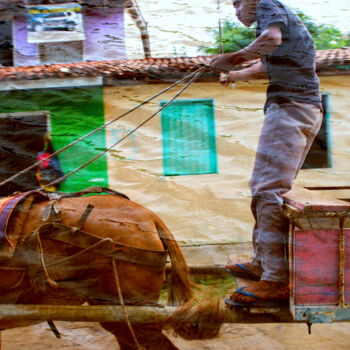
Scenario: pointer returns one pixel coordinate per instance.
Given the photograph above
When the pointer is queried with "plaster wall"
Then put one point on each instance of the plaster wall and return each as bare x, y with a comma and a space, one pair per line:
213, 207
104, 37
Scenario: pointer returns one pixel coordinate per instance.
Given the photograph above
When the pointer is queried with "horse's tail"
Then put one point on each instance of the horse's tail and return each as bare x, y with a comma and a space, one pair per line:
179, 281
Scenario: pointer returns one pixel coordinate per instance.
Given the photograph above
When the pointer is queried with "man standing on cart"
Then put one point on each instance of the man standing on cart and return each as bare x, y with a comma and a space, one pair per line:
286, 54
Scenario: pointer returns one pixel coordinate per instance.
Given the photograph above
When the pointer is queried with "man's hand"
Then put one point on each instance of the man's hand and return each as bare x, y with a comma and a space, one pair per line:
256, 71
227, 61
227, 78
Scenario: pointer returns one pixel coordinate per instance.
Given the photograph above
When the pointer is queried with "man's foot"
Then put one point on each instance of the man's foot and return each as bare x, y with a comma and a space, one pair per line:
245, 270
260, 292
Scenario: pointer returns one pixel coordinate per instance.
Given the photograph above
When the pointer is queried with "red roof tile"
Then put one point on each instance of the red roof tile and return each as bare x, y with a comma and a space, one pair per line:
335, 61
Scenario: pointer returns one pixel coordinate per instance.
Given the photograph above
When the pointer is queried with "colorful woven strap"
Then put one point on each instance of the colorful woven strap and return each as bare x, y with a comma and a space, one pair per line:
6, 208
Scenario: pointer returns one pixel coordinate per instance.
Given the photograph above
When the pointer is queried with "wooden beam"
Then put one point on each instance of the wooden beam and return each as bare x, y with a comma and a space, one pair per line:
136, 314
113, 313
307, 201
85, 313
25, 114
324, 188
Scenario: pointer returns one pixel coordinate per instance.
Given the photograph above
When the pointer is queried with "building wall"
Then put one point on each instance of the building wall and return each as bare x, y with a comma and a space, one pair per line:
25, 54
104, 37
212, 207
197, 208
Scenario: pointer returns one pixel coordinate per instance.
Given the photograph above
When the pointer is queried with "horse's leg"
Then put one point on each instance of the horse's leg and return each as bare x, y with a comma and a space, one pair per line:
148, 335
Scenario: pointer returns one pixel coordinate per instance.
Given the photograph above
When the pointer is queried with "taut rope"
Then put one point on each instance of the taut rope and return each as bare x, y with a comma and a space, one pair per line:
201, 69
197, 74
125, 313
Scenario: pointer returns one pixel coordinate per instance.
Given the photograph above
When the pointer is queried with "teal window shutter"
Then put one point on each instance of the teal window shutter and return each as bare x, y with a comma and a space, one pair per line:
320, 153
188, 130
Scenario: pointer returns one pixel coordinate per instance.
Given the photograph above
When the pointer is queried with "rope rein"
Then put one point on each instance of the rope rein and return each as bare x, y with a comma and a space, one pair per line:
49, 280
201, 69
196, 76
125, 313
72, 257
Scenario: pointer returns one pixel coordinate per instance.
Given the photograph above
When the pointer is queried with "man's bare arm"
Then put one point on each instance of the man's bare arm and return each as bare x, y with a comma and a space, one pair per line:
256, 71
266, 43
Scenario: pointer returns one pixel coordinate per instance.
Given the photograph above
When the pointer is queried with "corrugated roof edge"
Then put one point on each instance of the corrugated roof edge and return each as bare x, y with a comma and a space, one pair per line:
329, 62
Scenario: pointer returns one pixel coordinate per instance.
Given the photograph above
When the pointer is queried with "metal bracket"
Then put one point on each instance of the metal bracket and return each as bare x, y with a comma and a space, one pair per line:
320, 317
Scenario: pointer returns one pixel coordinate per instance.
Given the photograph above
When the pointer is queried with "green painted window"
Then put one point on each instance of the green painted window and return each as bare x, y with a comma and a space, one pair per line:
73, 113
188, 130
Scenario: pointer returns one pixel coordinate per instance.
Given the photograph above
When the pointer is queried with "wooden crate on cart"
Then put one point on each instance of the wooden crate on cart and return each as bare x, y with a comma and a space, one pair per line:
319, 256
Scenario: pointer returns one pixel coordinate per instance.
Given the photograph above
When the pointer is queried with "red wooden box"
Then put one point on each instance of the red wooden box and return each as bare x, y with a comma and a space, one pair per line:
319, 256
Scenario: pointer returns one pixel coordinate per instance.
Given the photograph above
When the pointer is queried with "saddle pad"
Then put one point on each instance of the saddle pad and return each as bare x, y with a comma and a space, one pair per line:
7, 205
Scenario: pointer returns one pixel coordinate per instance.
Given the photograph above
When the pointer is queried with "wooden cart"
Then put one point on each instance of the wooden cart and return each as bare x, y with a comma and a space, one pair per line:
319, 256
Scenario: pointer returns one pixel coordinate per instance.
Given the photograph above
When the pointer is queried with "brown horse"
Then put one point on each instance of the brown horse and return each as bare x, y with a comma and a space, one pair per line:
95, 246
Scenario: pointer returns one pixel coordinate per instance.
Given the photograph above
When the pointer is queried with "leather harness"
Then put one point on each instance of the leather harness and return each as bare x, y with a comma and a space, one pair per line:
52, 228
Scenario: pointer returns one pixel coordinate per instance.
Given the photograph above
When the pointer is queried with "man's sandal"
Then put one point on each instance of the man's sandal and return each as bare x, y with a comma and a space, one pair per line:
260, 294
258, 304
245, 270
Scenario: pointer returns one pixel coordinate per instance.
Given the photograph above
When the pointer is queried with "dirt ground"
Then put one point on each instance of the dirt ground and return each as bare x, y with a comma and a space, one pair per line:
89, 336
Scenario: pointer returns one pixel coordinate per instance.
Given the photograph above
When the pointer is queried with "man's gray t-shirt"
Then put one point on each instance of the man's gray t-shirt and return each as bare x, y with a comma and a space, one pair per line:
291, 67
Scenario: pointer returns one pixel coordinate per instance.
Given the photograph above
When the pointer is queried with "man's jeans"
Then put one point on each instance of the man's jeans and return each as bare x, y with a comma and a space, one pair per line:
286, 137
